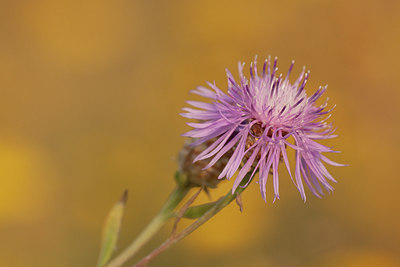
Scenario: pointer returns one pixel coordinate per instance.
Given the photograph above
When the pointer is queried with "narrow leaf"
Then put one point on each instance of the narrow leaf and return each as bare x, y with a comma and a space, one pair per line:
198, 211
111, 230
195, 212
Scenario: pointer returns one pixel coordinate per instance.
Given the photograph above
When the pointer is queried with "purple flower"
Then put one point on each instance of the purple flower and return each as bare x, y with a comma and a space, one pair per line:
259, 119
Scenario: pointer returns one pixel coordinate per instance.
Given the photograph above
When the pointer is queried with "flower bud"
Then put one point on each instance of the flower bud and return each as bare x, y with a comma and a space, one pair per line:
194, 171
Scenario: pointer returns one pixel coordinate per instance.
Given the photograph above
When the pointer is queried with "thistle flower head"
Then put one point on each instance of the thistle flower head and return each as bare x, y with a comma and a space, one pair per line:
259, 118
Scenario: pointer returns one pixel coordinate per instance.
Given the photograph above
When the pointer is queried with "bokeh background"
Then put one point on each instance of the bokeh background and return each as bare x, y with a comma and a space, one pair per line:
89, 103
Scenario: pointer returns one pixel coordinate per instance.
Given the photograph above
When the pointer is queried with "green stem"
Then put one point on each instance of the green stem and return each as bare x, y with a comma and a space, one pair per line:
219, 205
158, 221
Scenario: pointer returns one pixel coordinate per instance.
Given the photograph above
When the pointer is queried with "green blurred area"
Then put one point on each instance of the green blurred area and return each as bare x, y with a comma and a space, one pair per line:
90, 96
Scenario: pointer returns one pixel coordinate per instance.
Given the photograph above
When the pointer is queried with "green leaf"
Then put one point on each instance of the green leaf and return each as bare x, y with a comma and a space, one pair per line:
198, 211
111, 230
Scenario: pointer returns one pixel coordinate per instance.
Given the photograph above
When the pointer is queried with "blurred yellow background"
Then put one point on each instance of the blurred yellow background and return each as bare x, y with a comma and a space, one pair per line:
89, 103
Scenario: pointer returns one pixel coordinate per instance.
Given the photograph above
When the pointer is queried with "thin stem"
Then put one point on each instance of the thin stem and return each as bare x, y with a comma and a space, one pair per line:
219, 205
183, 209
158, 221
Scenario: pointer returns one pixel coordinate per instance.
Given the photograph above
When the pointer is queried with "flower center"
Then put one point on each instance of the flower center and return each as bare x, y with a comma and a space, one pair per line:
257, 130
